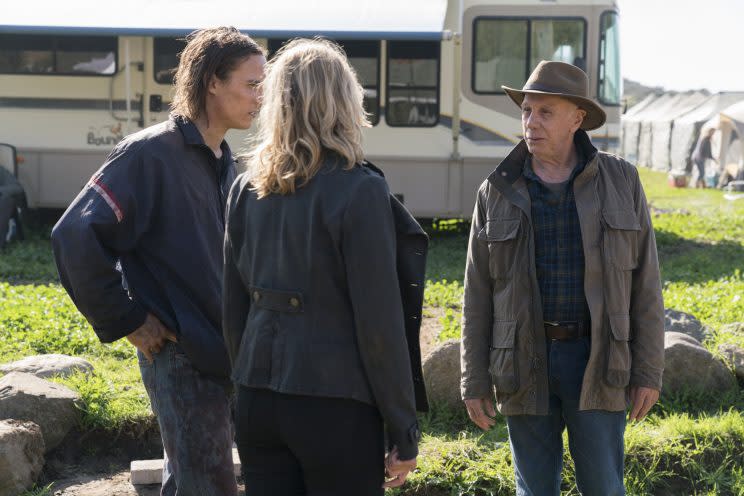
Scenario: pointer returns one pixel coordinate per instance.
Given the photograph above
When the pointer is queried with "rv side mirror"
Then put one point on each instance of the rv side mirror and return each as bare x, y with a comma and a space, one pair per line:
9, 158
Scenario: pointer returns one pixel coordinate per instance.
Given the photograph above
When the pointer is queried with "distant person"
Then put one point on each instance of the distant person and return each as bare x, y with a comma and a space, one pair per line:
703, 152
314, 315
562, 315
156, 208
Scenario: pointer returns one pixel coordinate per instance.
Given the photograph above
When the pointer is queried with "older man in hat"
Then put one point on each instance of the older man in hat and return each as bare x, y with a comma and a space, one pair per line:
562, 316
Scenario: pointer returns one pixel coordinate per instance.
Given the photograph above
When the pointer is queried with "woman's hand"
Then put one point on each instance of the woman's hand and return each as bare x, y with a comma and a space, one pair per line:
397, 470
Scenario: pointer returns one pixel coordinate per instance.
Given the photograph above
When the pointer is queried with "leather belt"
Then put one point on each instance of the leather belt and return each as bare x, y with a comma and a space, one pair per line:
567, 330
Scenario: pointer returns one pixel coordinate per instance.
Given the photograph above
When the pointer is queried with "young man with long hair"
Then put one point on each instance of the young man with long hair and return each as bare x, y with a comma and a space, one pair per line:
140, 253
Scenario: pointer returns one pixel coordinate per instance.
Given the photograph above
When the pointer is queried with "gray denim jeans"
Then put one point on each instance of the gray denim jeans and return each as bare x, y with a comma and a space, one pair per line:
194, 414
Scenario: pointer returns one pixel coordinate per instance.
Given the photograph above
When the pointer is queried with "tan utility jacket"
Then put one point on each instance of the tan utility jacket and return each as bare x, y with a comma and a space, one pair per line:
503, 335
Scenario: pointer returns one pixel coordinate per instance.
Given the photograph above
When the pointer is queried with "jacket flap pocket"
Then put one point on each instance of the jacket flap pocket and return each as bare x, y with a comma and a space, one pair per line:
503, 334
621, 219
620, 325
500, 229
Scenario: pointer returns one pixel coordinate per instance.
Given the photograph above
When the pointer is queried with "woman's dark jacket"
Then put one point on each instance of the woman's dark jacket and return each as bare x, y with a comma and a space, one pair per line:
312, 301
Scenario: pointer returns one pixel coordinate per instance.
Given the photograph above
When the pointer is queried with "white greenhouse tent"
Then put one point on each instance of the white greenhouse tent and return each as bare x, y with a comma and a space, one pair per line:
627, 122
661, 130
631, 125
647, 118
728, 139
686, 130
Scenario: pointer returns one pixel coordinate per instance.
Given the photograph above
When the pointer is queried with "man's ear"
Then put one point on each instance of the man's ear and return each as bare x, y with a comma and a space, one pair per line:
212, 84
580, 116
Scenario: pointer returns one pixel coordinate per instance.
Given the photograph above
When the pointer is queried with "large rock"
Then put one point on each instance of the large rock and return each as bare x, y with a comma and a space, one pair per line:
734, 355
21, 456
688, 366
676, 321
49, 365
442, 374
52, 406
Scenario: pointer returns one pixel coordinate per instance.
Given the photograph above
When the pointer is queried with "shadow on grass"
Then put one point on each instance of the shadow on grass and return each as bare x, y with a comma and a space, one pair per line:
700, 403
694, 262
31, 260
446, 422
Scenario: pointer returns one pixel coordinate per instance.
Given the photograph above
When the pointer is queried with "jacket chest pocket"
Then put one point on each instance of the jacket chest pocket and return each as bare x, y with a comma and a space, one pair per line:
503, 357
620, 238
502, 237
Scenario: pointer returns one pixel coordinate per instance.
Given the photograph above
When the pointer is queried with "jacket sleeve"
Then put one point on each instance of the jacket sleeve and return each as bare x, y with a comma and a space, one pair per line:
477, 310
646, 303
106, 219
369, 251
236, 298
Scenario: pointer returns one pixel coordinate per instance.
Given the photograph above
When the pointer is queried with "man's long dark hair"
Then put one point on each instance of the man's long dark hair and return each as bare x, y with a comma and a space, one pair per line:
209, 52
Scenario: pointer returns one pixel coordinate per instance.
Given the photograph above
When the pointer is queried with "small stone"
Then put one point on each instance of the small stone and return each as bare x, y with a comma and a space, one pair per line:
736, 329
53, 407
685, 323
442, 374
46, 366
734, 355
688, 366
21, 456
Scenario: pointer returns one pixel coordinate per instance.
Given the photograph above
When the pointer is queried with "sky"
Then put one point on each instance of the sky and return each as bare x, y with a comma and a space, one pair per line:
683, 44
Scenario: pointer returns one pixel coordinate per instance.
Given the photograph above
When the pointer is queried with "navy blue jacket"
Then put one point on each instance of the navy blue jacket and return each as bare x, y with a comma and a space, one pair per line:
155, 208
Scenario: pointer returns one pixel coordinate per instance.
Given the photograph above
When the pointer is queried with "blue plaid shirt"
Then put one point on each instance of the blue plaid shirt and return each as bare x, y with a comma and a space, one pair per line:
559, 253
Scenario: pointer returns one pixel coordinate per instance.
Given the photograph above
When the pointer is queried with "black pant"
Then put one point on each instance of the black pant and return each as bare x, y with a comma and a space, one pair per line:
292, 445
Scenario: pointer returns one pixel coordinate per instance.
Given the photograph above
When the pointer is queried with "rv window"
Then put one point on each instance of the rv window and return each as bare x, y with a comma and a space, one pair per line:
610, 81
500, 49
557, 40
57, 55
364, 57
165, 60
413, 83
506, 50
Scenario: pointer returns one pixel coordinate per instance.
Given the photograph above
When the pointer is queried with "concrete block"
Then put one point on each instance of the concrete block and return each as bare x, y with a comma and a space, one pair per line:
142, 472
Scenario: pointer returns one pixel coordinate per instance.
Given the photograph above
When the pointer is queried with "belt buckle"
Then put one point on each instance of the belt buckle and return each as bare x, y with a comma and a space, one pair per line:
551, 323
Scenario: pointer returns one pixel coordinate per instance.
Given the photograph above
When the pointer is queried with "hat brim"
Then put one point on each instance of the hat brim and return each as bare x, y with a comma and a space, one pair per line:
595, 116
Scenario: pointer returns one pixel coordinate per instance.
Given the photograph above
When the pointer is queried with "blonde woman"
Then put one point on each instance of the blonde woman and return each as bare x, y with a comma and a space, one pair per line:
312, 313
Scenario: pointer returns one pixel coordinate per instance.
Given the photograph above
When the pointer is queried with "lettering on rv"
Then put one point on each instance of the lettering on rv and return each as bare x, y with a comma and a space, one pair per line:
104, 135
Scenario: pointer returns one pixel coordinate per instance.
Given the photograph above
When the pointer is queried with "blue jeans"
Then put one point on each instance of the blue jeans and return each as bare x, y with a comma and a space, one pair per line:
194, 415
595, 437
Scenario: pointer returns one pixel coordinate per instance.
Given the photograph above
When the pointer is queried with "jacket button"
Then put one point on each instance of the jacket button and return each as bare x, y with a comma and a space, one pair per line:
256, 296
294, 302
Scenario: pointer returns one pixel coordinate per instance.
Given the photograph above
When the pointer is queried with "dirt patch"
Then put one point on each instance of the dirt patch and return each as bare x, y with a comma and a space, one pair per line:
431, 326
113, 484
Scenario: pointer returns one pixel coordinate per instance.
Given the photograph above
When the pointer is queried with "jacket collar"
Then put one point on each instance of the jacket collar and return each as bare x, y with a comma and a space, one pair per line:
510, 169
192, 136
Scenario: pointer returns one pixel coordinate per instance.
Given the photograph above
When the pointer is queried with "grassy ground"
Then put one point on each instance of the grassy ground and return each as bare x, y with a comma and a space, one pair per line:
689, 445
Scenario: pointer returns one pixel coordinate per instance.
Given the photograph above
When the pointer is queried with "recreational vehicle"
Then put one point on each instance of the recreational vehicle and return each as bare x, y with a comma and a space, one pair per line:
76, 77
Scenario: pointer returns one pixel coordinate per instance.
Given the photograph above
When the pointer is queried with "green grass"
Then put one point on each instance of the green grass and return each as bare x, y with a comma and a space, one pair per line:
690, 444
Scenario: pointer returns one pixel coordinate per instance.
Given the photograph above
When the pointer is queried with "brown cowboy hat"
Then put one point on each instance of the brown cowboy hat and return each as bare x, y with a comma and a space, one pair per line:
563, 80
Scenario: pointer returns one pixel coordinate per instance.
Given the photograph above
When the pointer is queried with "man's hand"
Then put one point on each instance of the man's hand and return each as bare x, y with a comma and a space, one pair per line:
397, 470
151, 336
481, 412
641, 401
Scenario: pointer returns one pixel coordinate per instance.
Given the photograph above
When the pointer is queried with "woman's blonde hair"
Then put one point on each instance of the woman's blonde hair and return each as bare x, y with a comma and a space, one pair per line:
312, 103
